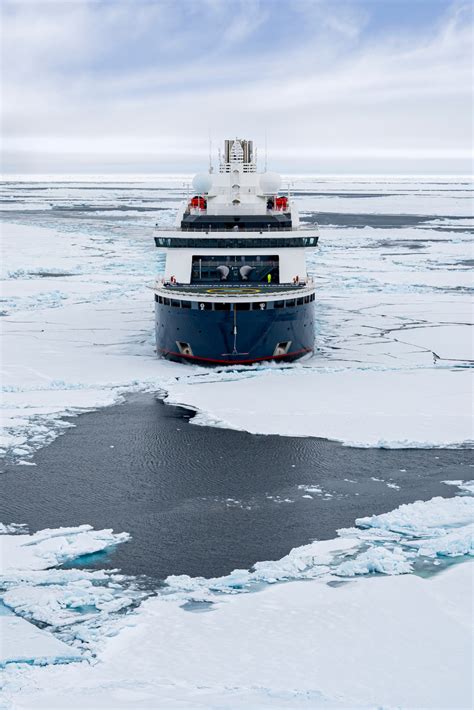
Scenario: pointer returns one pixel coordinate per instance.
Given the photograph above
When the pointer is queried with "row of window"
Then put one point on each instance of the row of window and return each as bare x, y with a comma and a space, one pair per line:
244, 306
248, 242
294, 301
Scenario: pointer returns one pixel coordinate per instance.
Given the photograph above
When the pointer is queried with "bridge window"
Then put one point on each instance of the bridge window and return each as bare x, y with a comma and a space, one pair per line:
234, 243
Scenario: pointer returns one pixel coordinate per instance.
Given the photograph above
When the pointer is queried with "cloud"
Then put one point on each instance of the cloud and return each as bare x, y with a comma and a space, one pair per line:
99, 84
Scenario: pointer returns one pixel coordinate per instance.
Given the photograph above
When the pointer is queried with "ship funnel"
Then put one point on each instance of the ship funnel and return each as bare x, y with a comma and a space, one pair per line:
238, 150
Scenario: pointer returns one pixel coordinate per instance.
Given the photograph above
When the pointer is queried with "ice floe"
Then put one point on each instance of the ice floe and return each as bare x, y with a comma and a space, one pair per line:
49, 548
423, 518
24, 643
467, 486
375, 407
79, 605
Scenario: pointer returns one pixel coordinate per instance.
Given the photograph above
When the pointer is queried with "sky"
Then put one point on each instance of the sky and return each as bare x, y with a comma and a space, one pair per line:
143, 86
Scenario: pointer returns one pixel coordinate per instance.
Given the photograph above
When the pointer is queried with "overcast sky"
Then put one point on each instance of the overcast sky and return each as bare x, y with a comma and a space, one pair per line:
138, 86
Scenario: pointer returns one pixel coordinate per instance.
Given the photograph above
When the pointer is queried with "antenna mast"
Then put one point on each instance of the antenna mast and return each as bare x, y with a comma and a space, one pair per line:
211, 169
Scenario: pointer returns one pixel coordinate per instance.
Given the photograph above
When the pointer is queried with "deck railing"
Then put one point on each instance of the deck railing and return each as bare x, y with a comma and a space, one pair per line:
211, 291
232, 231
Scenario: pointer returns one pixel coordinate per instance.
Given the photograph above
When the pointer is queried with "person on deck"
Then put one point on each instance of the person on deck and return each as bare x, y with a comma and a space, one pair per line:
269, 278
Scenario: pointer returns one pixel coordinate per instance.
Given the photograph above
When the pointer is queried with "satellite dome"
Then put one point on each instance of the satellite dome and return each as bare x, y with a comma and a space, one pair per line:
270, 183
202, 182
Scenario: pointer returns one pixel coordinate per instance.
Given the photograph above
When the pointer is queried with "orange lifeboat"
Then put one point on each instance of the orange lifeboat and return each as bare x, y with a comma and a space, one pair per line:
281, 203
198, 202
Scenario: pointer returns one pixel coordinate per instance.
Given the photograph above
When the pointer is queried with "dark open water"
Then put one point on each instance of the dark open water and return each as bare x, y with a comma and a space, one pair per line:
141, 467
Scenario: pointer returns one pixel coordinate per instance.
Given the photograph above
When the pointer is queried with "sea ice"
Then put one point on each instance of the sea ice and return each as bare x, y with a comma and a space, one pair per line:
392, 301
299, 644
239, 651
467, 486
394, 319
376, 559
419, 408
49, 548
80, 605
424, 518
24, 643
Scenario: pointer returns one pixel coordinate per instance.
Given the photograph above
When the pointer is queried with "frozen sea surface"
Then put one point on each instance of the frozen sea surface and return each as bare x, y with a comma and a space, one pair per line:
394, 336
394, 312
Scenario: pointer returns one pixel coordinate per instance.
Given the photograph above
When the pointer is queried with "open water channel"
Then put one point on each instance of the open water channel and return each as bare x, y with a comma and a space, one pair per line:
204, 501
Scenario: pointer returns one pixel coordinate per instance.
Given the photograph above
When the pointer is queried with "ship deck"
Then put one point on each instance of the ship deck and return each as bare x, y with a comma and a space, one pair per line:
237, 289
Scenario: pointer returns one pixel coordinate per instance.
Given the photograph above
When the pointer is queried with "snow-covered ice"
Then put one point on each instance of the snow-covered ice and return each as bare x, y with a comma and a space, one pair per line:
295, 645
49, 548
24, 643
393, 313
332, 636
420, 407
79, 605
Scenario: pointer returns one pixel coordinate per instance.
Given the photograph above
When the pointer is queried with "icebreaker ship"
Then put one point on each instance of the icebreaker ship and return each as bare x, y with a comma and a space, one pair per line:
235, 288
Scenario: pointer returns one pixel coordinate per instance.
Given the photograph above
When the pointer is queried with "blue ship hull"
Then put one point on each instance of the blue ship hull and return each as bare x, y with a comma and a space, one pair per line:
225, 337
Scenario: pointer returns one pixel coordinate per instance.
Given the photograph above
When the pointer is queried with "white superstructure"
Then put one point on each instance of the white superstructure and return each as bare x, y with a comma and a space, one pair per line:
235, 288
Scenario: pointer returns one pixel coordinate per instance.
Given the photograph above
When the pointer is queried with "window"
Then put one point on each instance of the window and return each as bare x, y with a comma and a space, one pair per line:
166, 301
222, 306
235, 269
279, 304
240, 242
290, 303
185, 304
242, 306
174, 303
260, 306
299, 302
